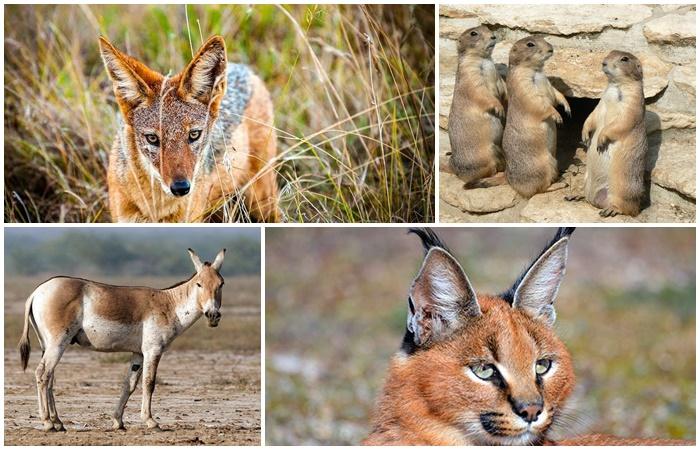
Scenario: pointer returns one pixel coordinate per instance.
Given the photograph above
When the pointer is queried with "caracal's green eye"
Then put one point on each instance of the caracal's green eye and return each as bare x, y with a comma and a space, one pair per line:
484, 371
542, 366
152, 139
195, 134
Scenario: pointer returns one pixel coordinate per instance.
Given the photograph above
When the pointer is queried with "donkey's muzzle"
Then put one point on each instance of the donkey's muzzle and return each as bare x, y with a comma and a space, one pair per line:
213, 317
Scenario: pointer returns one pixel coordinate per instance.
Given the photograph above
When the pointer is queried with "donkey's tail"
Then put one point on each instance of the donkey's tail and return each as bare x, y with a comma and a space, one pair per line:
24, 347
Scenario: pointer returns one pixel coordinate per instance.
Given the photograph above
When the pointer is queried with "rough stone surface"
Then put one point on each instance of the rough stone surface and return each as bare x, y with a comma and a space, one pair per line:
551, 207
482, 200
453, 28
672, 161
559, 19
675, 29
684, 78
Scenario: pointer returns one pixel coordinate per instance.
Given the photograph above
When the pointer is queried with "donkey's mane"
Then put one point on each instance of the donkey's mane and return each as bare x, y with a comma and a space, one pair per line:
180, 283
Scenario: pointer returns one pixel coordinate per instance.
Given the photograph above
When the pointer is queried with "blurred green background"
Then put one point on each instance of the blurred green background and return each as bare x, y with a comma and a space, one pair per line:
335, 313
352, 87
128, 251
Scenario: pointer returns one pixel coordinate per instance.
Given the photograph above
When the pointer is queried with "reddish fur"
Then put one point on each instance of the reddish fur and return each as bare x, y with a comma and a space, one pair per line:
252, 145
426, 393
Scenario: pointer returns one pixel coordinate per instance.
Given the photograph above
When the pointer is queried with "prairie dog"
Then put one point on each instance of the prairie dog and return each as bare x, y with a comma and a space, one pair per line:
530, 135
616, 158
475, 124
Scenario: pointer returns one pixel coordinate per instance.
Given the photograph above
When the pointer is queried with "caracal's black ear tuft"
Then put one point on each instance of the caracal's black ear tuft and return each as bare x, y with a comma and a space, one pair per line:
429, 239
441, 296
536, 289
204, 79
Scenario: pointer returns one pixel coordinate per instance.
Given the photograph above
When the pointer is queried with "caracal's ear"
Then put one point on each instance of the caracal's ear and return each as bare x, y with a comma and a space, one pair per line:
130, 78
535, 291
195, 260
219, 259
441, 296
204, 79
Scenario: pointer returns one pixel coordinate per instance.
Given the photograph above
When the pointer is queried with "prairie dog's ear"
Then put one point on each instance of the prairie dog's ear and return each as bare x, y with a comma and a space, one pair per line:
195, 260
219, 260
204, 79
537, 289
129, 77
440, 298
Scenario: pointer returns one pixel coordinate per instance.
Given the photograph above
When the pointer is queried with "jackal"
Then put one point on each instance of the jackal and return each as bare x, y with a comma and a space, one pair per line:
188, 141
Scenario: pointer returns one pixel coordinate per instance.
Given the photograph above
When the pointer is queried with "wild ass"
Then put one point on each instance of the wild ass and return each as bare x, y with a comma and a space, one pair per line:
105, 318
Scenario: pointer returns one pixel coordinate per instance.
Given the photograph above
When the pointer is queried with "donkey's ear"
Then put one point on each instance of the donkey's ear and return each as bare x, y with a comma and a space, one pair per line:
195, 260
441, 297
219, 260
129, 77
204, 79
535, 291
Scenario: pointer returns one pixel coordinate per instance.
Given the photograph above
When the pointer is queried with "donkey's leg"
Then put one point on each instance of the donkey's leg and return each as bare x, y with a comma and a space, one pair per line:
57, 424
150, 366
132, 378
44, 374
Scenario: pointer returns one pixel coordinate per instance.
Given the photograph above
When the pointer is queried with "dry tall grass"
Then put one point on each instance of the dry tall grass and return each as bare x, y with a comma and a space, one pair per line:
352, 87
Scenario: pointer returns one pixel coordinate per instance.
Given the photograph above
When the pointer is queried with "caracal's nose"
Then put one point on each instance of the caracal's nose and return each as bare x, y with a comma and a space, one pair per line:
180, 187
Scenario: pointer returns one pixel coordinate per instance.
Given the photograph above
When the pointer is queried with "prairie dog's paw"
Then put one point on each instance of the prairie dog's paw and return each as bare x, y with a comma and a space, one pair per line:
557, 117
603, 143
498, 111
610, 212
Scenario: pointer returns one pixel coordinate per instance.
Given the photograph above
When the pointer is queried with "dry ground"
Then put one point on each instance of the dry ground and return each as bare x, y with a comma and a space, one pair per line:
208, 389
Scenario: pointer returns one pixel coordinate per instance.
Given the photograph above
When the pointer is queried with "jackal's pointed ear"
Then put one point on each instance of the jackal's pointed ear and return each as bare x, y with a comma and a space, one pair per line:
195, 260
219, 260
536, 290
441, 297
129, 77
204, 79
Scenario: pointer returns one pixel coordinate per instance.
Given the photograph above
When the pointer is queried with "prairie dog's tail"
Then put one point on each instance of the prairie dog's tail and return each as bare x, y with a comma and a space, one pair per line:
24, 347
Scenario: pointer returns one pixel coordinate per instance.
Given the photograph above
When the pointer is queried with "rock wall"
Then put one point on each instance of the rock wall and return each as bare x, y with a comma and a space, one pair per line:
662, 36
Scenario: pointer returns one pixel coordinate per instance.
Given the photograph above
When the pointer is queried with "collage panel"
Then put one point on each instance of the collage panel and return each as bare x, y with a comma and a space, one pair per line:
246, 236
567, 114
380, 337
219, 113
94, 316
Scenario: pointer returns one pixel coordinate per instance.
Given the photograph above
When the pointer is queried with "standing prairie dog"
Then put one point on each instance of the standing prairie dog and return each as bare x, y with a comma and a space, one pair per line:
530, 135
616, 158
476, 117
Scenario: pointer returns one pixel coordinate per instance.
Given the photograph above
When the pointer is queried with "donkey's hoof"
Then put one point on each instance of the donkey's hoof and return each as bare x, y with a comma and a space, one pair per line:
48, 427
58, 426
152, 425
117, 425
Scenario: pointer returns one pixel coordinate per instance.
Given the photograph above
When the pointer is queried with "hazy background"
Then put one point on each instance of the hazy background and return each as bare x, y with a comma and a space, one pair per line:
336, 312
128, 251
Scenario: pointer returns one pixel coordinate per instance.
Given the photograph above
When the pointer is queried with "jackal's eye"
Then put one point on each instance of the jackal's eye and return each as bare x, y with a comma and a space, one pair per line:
152, 139
542, 366
194, 135
484, 371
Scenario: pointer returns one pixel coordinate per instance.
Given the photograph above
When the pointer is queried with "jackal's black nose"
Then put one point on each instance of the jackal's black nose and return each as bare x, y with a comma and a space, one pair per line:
180, 187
